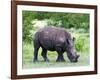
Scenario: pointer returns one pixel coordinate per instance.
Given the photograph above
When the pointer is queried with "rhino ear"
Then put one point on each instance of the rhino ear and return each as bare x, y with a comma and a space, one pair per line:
74, 39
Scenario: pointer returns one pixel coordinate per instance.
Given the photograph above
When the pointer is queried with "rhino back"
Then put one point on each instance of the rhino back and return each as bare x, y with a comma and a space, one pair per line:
49, 38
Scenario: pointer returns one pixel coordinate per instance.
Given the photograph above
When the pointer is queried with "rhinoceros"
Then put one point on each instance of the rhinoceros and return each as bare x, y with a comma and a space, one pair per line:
54, 39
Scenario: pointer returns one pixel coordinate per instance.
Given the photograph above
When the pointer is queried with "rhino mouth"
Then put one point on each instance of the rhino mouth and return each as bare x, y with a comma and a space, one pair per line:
75, 59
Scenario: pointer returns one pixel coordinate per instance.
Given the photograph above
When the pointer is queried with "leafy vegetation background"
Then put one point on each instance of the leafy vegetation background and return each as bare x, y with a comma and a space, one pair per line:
76, 23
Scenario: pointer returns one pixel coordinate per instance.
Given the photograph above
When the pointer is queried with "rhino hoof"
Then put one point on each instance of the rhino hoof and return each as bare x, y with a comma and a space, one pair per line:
59, 60
47, 60
35, 60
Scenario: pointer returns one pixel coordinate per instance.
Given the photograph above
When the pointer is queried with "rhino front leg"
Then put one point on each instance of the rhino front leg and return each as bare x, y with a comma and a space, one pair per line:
44, 54
60, 57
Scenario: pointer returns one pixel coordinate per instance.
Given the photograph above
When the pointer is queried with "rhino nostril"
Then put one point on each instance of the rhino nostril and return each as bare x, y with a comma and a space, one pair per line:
77, 56
75, 59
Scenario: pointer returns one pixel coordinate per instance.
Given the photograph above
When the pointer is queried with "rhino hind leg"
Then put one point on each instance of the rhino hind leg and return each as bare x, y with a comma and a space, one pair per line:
36, 48
44, 55
35, 54
60, 57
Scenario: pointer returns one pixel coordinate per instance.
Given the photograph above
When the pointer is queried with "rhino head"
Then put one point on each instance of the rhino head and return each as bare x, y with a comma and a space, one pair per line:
70, 49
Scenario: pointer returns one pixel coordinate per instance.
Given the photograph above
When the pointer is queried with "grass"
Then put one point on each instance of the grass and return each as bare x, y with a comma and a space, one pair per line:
28, 50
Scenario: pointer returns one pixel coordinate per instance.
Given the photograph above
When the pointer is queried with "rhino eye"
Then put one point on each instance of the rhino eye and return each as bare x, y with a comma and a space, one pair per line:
70, 43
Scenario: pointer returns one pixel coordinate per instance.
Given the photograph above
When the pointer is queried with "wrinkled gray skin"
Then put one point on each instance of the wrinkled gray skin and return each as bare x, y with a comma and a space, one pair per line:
54, 39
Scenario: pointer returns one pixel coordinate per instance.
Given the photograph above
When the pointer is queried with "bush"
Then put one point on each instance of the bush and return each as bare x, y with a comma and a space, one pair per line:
82, 44
65, 20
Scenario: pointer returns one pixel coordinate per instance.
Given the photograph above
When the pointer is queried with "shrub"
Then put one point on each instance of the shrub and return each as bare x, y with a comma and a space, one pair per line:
82, 44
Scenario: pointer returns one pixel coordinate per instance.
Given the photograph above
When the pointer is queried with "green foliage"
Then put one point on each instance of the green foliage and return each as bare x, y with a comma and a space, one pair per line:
65, 20
79, 44
82, 44
28, 16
